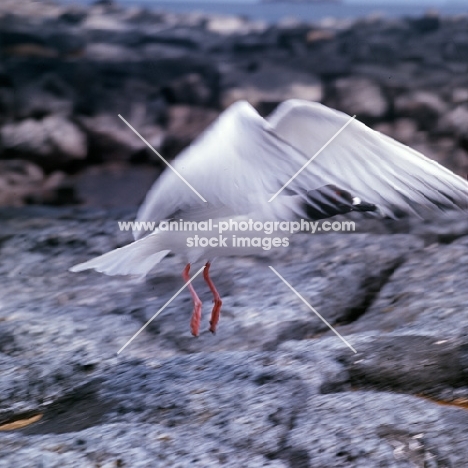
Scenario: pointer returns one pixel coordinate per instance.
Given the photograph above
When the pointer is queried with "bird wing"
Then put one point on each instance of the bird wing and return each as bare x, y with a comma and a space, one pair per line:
137, 258
370, 165
235, 165
242, 160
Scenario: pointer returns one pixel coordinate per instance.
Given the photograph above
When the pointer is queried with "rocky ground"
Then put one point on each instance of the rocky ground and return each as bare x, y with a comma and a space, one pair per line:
274, 387
66, 72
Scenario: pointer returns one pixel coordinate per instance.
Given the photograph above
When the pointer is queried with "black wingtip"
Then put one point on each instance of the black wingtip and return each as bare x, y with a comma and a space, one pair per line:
364, 206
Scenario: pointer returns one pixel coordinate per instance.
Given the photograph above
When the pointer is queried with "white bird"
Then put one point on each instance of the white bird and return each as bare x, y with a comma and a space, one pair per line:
238, 169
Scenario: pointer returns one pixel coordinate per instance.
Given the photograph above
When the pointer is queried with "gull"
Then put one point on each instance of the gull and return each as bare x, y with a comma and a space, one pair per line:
305, 160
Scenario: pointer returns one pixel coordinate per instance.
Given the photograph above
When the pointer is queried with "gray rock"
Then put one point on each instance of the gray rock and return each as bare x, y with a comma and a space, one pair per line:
387, 366
422, 298
457, 49
29, 8
405, 130
190, 89
102, 52
227, 25
19, 180
268, 85
426, 24
27, 137
425, 107
459, 161
267, 390
185, 123
74, 14
455, 122
111, 140
439, 150
360, 97
7, 104
153, 51
62, 40
52, 137
328, 63
114, 185
459, 95
47, 97
65, 138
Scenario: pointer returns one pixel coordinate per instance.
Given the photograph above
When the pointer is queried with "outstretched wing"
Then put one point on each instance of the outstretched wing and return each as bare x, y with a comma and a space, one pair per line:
242, 160
370, 165
235, 165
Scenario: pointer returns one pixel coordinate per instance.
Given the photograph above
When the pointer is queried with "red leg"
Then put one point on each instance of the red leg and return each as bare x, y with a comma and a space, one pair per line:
216, 298
197, 305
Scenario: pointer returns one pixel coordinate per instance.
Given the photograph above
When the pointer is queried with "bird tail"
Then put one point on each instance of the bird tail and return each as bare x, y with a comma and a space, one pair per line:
137, 258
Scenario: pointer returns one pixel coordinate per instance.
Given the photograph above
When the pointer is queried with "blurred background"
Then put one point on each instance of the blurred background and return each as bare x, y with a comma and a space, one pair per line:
274, 387
68, 69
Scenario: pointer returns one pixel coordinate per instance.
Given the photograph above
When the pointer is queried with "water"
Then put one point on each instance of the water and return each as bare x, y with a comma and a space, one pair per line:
312, 12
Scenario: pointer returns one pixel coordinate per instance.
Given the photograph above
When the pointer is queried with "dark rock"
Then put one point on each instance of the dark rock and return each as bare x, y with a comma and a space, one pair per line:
405, 130
459, 162
191, 38
288, 35
104, 3
426, 24
431, 365
7, 339
455, 121
22, 182
144, 16
114, 185
68, 43
268, 85
57, 190
185, 123
328, 61
422, 297
19, 180
190, 89
153, 51
425, 107
38, 101
7, 104
110, 139
220, 400
460, 95
457, 48
162, 71
60, 39
74, 15
360, 97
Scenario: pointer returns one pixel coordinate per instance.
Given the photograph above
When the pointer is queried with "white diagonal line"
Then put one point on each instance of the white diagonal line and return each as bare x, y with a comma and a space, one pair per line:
310, 307
311, 159
164, 160
160, 310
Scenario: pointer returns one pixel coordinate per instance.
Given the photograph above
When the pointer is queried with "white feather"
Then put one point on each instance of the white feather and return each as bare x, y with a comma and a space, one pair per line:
137, 258
370, 165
